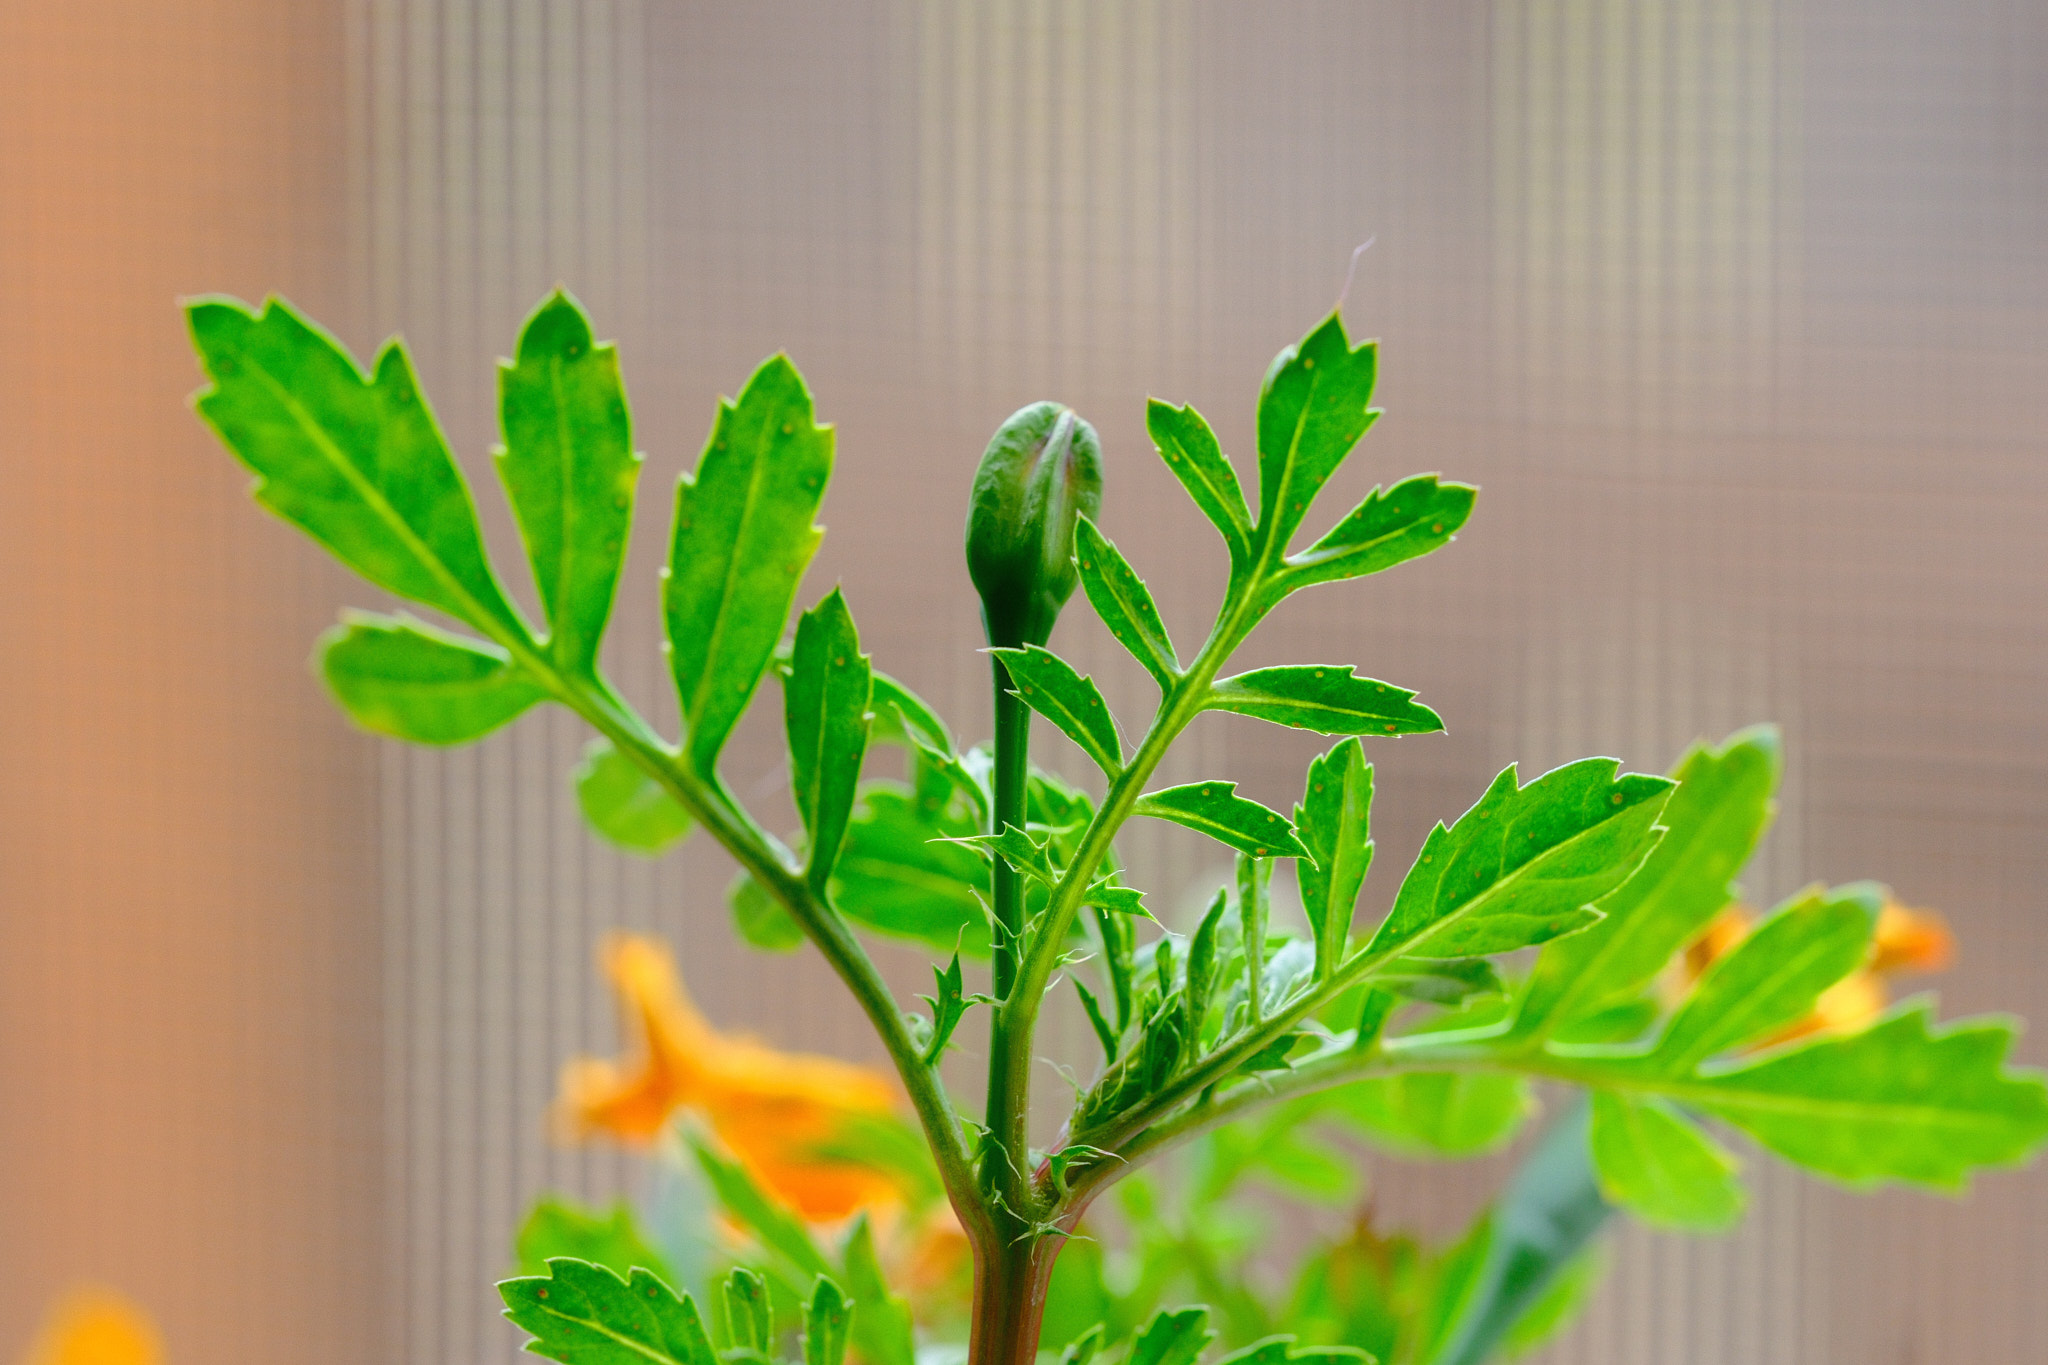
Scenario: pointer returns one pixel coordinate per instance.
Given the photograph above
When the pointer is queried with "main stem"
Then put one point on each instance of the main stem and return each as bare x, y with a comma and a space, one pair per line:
1005, 1159
1010, 1282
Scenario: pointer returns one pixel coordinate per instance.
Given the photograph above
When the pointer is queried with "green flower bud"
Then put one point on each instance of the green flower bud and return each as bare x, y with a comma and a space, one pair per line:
1040, 473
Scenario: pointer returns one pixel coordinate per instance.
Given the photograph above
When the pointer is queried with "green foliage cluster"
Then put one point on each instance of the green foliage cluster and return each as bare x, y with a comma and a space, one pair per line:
1419, 1030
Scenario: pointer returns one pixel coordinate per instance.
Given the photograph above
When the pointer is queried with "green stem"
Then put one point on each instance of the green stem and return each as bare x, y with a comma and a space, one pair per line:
1008, 1111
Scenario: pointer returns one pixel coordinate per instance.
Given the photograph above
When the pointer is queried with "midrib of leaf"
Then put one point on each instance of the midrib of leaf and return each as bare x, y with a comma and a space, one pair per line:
638, 1348
1270, 550
569, 520
702, 691
374, 495
1274, 698
815, 787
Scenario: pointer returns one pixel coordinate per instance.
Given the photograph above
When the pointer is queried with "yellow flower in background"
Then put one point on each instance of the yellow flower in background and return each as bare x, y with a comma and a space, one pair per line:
772, 1110
95, 1326
1906, 941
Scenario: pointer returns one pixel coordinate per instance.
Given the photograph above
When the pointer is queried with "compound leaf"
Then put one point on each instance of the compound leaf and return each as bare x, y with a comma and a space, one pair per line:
622, 803
1712, 822
1525, 864
1314, 405
1214, 809
399, 676
743, 536
584, 1314
1327, 698
1050, 686
1657, 1164
355, 462
825, 709
1189, 448
569, 469
1120, 598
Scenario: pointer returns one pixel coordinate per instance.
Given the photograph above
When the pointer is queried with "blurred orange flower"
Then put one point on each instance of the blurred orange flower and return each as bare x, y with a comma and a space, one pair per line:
772, 1110
95, 1326
1906, 941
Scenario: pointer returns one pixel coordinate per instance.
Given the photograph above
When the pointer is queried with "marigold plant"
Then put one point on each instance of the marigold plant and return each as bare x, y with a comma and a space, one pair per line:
1415, 1024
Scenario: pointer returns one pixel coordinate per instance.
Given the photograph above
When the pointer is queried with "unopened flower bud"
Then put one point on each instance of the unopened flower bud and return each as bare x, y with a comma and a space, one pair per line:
1039, 475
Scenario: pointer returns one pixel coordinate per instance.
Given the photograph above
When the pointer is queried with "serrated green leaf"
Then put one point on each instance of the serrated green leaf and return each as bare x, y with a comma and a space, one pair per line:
399, 676
1177, 1337
1314, 405
1772, 977
1105, 1034
744, 534
1214, 809
1121, 599
1525, 864
569, 469
1392, 526
1436, 1113
749, 1314
622, 803
760, 919
827, 1319
1326, 698
775, 1227
1050, 686
882, 1331
826, 720
1445, 981
1333, 821
1902, 1101
555, 1228
1712, 823
355, 462
898, 875
1539, 1230
1658, 1165
1189, 447
583, 1314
